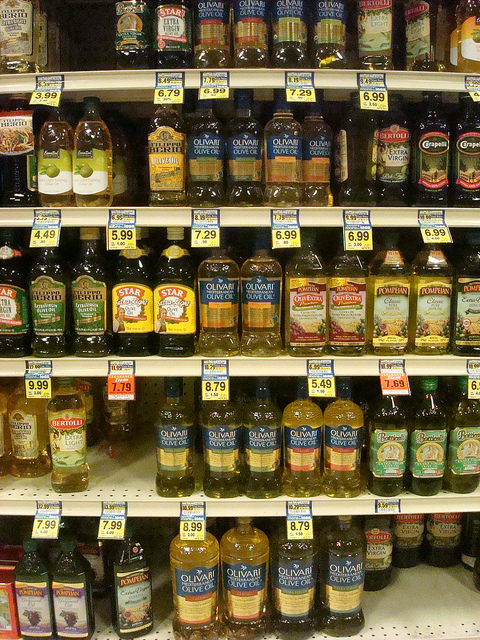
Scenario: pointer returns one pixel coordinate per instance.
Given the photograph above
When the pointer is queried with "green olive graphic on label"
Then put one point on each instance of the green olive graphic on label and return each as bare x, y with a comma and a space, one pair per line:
476, 36
52, 171
86, 171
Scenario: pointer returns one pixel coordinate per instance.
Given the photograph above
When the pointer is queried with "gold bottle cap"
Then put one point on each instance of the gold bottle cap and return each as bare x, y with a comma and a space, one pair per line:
244, 520
89, 233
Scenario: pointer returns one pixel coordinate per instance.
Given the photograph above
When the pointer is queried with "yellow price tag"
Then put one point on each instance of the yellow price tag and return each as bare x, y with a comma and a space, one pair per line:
374, 100
472, 85
46, 98
300, 95
321, 387
192, 530
44, 238
214, 93
475, 95
119, 239
110, 529
45, 528
45, 228
205, 238
473, 388
358, 240
300, 530
37, 388
168, 96
435, 234
433, 227
215, 390
282, 238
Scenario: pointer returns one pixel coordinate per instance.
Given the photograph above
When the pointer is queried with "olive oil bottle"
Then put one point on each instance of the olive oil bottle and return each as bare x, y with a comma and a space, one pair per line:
55, 171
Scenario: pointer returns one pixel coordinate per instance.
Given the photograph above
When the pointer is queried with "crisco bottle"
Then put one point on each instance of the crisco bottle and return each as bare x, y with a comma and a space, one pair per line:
289, 33
466, 154
466, 299
172, 34
442, 548
316, 153
212, 33
408, 532
329, 39
250, 33
55, 170
133, 34
378, 565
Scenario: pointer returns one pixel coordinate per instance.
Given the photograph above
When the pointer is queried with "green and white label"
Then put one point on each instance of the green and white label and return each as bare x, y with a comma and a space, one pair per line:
90, 171
464, 450
55, 172
388, 453
428, 453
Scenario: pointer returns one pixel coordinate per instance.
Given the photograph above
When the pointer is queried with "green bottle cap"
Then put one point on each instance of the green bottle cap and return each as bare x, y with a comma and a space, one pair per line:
30, 545
68, 543
462, 382
429, 384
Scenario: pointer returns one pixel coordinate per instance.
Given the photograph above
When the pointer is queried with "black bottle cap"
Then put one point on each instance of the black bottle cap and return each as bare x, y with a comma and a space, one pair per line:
174, 387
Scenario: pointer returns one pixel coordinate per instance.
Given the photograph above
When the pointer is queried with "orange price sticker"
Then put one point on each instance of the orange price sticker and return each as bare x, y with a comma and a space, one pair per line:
121, 380
393, 378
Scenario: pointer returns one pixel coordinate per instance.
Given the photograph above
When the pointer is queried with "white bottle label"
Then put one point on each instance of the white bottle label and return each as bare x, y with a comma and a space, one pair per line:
16, 28
23, 430
90, 172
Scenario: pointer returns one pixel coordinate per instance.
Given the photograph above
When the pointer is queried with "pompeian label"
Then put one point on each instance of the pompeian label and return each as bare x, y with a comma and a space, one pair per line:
195, 594
343, 446
89, 298
132, 25
68, 438
307, 311
408, 530
221, 446
16, 132
316, 160
393, 154
94, 554
175, 309
133, 595
294, 588
246, 587
263, 449
467, 321
173, 28
329, 22
284, 155
250, 17
261, 298
174, 443
344, 584
14, 308
55, 173
470, 38
433, 160
23, 432
303, 448
70, 606
417, 26
205, 157
132, 308
468, 160
388, 453
428, 453
33, 605
212, 22
464, 450
391, 311
374, 27
90, 171
16, 28
379, 549
48, 304
218, 302
347, 308
444, 530
166, 159
433, 311
244, 158
289, 21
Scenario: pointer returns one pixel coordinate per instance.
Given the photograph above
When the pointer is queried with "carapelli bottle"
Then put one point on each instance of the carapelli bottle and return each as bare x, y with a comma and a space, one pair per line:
378, 564
250, 33
408, 530
466, 154
442, 542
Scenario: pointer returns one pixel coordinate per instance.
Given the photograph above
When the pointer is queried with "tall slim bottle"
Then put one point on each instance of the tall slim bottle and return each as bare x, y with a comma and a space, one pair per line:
329, 39
343, 435
250, 33
212, 34
466, 154
92, 159
55, 170
289, 34
393, 155
408, 530
466, 299
378, 565
133, 30
442, 542
422, 32
244, 554
375, 34
316, 153
172, 34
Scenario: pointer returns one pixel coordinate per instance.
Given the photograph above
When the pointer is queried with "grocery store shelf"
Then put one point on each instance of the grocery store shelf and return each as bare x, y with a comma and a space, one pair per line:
241, 216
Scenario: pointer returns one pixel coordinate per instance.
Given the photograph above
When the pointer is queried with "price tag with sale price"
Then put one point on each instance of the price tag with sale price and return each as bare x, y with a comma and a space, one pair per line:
215, 380
38, 379
121, 232
121, 380
192, 521
48, 90
373, 91
433, 226
214, 85
388, 505
321, 380
472, 85
299, 520
357, 230
300, 86
169, 87
112, 521
473, 371
285, 228
205, 228
47, 520
393, 379
45, 228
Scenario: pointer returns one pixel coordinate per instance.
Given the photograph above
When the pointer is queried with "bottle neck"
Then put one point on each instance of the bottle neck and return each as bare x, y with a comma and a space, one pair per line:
243, 112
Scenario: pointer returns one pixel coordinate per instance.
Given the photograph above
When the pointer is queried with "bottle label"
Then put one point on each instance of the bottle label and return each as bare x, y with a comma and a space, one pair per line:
464, 450
344, 584
308, 311
433, 159
221, 446
408, 530
14, 310
390, 311
341, 157
294, 588
16, 131
132, 308
374, 27
330, 21
417, 26
303, 448
212, 24
467, 322
261, 298
433, 312
132, 20
316, 160
175, 309
470, 38
86, 388
16, 29
70, 605
90, 171
393, 154
42, 48
166, 159
244, 158
23, 431
246, 588
250, 18
379, 549
119, 175
32, 172
218, 303
174, 444
196, 595
68, 438
347, 305
427, 453
55, 172
343, 446
89, 298
94, 554
133, 594
468, 160
289, 24
205, 157
33, 605
444, 530
48, 303
284, 155
263, 449
388, 453
174, 28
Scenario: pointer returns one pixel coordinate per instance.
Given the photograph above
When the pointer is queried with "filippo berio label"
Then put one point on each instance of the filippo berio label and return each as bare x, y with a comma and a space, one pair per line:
48, 303
133, 593
428, 453
166, 159
196, 594
294, 587
24, 434
16, 28
344, 583
70, 605
89, 298
246, 589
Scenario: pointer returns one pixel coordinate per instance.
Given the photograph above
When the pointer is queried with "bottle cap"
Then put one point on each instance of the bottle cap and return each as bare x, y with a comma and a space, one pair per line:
309, 237
175, 233
262, 239
462, 382
91, 102
174, 387
89, 233
243, 98
302, 388
472, 236
30, 545
281, 103
263, 387
344, 388
244, 520
429, 384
